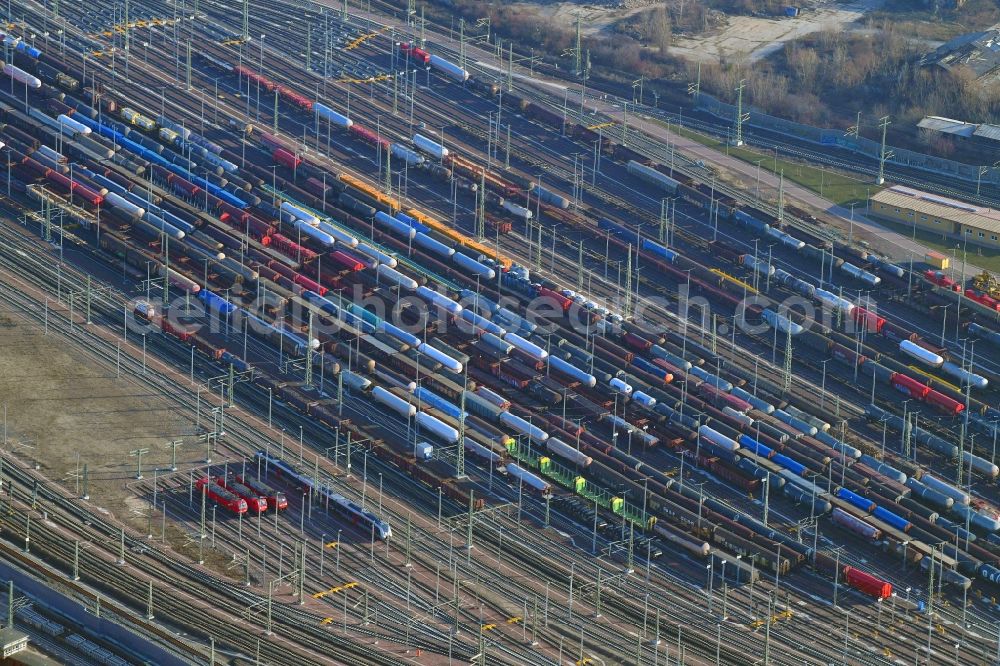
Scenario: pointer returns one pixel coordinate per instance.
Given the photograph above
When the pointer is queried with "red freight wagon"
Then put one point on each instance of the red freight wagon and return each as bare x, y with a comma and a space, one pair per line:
317, 187
563, 302
289, 248
571, 428
256, 227
271, 141
285, 158
346, 261
206, 347
867, 583
869, 320
281, 269
87, 194
729, 472
636, 342
178, 333
613, 349
84, 193
183, 186
34, 166
723, 399
415, 52
909, 386
310, 284
943, 403
368, 136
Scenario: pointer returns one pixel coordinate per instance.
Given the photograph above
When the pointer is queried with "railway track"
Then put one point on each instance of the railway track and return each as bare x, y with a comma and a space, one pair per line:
541, 564
232, 427
436, 108
228, 597
706, 643
235, 427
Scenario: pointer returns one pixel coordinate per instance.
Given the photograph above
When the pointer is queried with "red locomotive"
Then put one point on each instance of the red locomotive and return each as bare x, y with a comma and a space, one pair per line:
218, 494
255, 502
275, 499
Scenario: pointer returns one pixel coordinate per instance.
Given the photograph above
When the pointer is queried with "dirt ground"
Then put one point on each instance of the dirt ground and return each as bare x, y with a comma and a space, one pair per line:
593, 18
63, 411
742, 37
755, 38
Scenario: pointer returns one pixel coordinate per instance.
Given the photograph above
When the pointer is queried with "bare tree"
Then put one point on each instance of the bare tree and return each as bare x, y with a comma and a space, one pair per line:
659, 29
803, 62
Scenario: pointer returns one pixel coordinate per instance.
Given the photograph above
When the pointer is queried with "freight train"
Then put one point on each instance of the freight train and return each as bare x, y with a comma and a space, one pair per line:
662, 177
600, 455
754, 222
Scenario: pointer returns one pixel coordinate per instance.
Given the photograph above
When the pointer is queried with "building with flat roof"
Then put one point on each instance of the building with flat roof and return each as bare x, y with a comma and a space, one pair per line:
13, 641
939, 215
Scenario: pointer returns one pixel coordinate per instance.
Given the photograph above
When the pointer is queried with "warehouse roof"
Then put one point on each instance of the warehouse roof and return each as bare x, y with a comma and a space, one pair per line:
976, 217
979, 51
947, 126
991, 132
